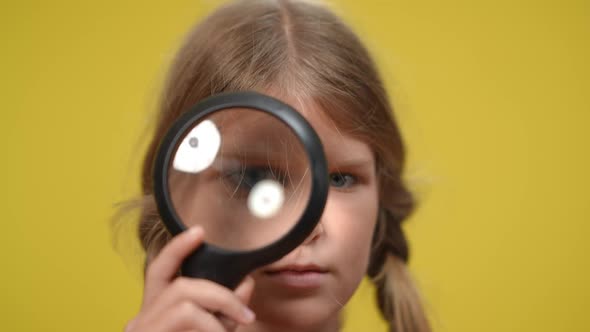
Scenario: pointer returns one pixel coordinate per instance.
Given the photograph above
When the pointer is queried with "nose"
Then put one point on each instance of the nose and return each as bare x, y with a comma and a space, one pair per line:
315, 234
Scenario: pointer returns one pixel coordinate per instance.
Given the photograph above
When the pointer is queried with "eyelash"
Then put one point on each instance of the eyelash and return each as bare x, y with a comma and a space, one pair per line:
350, 179
245, 178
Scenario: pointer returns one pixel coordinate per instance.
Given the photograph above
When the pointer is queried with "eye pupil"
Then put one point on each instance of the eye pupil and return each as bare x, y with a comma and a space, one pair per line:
255, 175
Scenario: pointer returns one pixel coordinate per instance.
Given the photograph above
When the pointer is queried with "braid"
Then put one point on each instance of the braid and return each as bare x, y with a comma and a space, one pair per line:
151, 231
397, 297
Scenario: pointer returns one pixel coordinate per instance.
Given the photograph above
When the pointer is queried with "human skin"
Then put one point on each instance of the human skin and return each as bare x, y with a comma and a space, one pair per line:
340, 244
330, 263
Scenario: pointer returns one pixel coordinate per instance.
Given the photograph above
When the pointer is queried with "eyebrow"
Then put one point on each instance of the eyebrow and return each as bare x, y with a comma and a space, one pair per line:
351, 163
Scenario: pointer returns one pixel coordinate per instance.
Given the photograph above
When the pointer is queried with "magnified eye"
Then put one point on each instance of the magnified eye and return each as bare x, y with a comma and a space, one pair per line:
249, 177
243, 180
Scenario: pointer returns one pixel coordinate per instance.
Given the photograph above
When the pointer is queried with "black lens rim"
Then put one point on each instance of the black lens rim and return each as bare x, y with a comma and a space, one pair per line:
302, 130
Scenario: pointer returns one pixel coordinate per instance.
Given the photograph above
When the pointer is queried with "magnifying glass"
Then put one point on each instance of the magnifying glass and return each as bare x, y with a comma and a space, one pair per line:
251, 171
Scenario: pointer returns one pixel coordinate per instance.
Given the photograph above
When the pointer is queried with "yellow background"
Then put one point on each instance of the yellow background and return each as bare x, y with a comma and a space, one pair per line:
493, 98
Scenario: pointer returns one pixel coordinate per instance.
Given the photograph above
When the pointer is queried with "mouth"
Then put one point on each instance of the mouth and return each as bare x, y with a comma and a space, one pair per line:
294, 268
297, 276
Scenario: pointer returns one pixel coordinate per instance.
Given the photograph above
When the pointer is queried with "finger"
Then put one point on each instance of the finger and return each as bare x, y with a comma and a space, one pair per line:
228, 324
186, 316
165, 266
245, 289
244, 293
206, 294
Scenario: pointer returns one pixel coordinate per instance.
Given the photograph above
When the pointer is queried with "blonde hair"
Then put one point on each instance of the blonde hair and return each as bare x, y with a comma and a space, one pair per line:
298, 48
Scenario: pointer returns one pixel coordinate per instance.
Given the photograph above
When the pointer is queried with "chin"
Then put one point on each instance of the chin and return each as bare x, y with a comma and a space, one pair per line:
299, 313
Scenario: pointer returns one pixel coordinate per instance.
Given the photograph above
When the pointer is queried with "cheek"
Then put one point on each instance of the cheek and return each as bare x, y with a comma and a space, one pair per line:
350, 220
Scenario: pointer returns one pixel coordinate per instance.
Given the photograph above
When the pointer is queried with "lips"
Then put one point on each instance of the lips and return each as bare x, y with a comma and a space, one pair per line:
294, 268
307, 276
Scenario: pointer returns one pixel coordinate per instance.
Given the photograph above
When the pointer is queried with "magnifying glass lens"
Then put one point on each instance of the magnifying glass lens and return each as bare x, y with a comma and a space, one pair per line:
242, 175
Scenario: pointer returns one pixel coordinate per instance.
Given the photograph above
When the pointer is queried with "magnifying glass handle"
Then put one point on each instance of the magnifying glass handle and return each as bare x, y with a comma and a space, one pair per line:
207, 263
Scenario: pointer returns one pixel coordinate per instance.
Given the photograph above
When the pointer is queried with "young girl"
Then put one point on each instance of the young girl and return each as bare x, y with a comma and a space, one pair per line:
301, 53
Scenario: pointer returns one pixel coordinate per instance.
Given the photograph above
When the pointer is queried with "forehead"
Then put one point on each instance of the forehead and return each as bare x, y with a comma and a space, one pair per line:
338, 144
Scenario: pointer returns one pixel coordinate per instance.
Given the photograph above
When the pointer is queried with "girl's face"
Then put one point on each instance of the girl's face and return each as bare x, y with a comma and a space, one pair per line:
307, 288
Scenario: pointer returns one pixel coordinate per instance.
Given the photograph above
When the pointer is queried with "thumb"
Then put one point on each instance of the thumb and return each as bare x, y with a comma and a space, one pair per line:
245, 290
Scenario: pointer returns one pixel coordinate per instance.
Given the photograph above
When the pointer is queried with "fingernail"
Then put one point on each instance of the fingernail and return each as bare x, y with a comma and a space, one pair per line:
249, 315
195, 231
